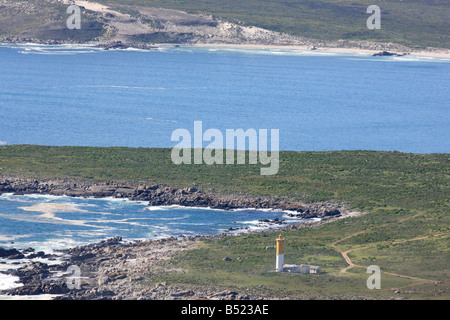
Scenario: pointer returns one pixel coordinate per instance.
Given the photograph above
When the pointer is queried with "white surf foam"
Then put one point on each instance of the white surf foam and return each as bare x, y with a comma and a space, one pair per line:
34, 297
9, 282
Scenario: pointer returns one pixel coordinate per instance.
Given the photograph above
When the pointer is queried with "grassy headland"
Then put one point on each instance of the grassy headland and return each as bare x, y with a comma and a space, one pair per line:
404, 231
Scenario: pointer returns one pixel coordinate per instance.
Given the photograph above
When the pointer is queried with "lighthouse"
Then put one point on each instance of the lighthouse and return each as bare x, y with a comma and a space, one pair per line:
280, 254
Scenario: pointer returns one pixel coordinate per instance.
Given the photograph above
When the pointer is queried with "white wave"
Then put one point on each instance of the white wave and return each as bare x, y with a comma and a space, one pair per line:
43, 196
49, 46
175, 206
258, 209
135, 49
412, 58
113, 199
32, 297
275, 52
251, 222
12, 197
53, 53
6, 194
35, 48
197, 208
157, 208
9, 282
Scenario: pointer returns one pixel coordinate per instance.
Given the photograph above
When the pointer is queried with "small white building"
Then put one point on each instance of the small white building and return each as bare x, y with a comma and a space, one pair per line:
303, 268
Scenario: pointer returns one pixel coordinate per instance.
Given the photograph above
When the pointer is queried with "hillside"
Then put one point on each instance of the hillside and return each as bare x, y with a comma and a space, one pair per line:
45, 22
412, 22
323, 23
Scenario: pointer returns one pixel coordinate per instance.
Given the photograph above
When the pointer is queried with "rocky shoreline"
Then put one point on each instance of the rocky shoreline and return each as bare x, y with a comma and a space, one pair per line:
114, 269
117, 270
159, 195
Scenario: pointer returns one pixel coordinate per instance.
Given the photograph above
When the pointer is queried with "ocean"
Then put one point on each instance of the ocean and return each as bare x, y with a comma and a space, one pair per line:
69, 95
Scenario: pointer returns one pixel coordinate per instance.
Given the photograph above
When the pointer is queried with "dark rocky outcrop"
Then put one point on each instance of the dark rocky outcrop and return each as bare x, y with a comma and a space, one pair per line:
389, 54
6, 253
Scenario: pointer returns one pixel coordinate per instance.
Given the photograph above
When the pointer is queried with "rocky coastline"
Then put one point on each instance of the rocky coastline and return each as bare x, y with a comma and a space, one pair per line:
385, 49
160, 195
115, 269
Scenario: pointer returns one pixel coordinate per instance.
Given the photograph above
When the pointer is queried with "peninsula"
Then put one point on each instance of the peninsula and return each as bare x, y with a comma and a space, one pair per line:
404, 228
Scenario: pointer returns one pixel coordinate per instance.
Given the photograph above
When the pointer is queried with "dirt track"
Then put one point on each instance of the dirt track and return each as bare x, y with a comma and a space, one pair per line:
351, 264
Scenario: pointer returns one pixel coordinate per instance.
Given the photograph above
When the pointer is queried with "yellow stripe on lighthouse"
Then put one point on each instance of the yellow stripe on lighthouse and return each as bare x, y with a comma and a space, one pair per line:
280, 245
280, 254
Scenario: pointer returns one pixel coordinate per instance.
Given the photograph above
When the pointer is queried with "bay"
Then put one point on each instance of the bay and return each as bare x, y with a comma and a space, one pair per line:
47, 222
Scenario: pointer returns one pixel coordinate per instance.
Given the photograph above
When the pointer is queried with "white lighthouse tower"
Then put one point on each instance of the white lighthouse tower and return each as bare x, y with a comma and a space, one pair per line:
280, 254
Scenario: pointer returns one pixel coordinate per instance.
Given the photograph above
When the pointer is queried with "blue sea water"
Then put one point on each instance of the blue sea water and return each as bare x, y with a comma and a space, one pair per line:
47, 222
66, 95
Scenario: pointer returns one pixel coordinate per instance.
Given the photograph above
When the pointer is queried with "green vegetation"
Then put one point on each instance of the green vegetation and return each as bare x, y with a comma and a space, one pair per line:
405, 228
412, 22
367, 179
46, 20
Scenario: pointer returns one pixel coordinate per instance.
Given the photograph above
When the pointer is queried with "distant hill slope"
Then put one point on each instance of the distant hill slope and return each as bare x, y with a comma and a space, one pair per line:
44, 20
412, 23
408, 22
